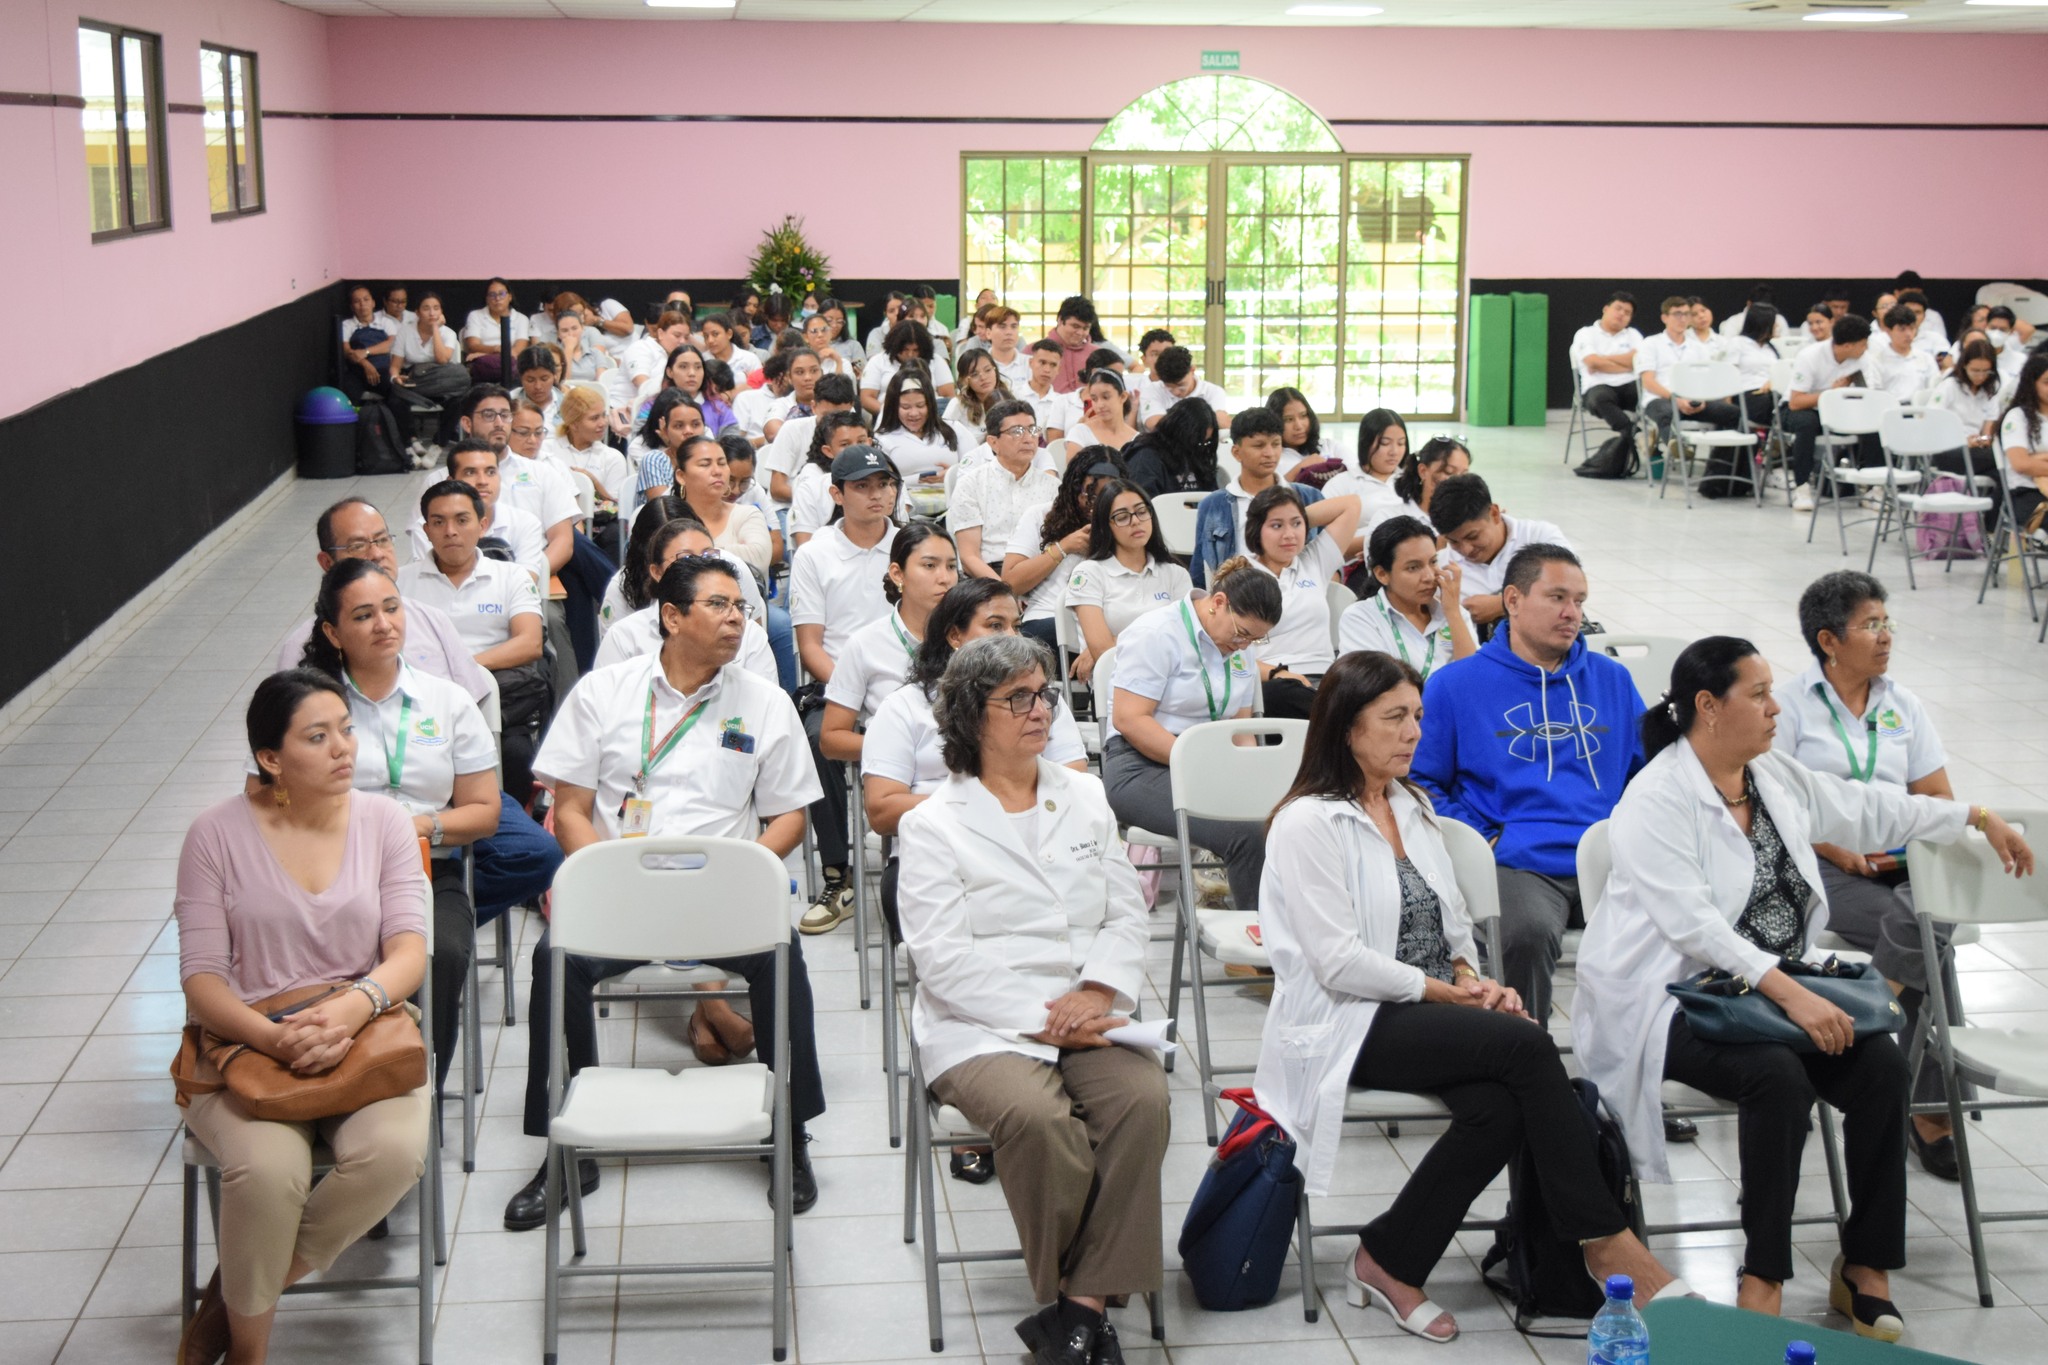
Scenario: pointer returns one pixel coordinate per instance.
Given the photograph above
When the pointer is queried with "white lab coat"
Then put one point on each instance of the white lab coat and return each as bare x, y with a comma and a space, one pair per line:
1682, 874
997, 930
1330, 915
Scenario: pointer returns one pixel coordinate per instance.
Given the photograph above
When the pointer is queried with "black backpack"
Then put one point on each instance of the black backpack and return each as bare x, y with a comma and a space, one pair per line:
1615, 459
1542, 1274
1723, 476
380, 443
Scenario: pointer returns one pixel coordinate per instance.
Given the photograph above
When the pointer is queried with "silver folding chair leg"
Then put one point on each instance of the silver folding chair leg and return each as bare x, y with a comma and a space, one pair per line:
859, 872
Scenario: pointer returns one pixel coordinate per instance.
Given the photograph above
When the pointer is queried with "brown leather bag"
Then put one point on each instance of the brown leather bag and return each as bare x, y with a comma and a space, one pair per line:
389, 1059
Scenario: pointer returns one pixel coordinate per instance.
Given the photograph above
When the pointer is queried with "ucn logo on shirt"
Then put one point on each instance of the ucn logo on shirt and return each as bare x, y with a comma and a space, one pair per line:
1890, 722
427, 731
490, 609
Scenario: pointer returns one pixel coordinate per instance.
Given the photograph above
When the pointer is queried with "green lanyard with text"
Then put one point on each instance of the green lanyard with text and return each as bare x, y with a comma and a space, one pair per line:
394, 755
1869, 770
1428, 658
909, 646
651, 754
1187, 618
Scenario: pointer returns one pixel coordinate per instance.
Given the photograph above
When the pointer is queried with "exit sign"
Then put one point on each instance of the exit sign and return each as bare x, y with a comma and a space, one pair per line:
1219, 61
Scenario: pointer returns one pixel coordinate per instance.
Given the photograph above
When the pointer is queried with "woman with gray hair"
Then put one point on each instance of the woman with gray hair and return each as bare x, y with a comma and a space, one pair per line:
1025, 923
1845, 716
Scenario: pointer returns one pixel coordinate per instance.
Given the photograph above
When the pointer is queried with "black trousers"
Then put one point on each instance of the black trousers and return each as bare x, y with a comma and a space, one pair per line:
1612, 404
1719, 416
579, 1023
1776, 1089
828, 812
1505, 1085
1288, 698
1804, 425
454, 945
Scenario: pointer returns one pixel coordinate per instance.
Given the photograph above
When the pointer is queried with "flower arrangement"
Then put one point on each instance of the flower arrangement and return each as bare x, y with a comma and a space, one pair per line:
786, 264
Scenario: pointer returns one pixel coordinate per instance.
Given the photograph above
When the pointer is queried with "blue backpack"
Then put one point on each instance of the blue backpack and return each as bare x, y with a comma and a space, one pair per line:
1234, 1243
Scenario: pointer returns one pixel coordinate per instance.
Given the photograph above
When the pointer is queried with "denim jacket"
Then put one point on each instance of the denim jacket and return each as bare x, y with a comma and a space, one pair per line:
1216, 530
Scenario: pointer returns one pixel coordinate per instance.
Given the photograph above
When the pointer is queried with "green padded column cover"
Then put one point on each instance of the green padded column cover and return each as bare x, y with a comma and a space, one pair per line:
1532, 358
1489, 361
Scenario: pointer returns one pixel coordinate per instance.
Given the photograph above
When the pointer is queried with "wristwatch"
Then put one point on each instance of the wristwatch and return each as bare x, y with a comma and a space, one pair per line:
434, 839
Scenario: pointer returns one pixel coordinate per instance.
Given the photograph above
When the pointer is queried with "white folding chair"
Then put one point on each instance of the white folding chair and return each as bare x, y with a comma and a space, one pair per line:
1595, 863
1578, 424
1777, 448
935, 1127
1341, 600
669, 899
1216, 778
433, 1247
1913, 437
586, 494
1964, 884
2010, 543
1175, 514
1472, 866
1846, 416
1067, 635
1648, 658
1707, 382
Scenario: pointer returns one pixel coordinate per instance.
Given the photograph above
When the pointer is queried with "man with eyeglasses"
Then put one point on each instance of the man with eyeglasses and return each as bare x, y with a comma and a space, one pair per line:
681, 742
985, 511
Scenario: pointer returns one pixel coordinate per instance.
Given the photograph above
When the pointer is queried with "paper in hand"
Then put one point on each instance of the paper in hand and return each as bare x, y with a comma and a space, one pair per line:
1149, 1034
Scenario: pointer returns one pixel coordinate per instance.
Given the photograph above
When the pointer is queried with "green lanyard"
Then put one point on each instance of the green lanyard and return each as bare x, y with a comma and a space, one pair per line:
651, 754
394, 754
909, 647
1187, 618
1393, 626
1869, 770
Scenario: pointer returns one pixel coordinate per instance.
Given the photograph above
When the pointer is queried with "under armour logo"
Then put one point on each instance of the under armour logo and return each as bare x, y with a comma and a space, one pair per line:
1526, 731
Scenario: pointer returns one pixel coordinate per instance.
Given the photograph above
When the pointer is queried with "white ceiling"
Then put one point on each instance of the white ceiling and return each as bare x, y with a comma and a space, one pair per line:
1941, 16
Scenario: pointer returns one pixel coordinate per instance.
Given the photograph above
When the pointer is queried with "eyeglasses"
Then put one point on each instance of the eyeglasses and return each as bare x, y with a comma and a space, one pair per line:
496, 294
524, 432
357, 549
1031, 431
1021, 703
737, 488
1129, 515
721, 606
1887, 626
1240, 638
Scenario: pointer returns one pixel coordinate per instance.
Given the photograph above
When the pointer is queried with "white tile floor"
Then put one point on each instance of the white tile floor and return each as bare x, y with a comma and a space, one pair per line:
99, 779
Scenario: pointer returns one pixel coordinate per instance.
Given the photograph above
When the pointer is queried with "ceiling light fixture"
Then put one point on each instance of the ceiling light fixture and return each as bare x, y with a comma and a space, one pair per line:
1852, 16
692, 4
1334, 11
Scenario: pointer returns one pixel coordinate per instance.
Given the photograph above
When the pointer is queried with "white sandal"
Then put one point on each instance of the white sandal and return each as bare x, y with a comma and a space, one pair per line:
1357, 1293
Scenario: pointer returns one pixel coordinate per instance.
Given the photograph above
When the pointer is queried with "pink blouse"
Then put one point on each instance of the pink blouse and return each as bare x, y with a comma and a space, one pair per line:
242, 917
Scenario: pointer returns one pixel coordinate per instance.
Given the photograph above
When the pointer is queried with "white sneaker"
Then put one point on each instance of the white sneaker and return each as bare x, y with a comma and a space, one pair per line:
1802, 498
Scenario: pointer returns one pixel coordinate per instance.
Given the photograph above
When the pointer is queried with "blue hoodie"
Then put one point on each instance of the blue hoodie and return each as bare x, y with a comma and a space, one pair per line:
1533, 757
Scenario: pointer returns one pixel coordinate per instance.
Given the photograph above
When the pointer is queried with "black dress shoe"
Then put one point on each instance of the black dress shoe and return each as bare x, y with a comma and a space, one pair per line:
379, 1231
803, 1181
976, 1168
1063, 1333
528, 1209
1108, 1351
1937, 1158
1681, 1130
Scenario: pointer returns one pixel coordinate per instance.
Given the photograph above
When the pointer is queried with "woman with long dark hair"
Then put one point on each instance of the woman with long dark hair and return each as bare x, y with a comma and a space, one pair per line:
2026, 445
1382, 449
1713, 866
1376, 984
1105, 411
1128, 571
911, 432
980, 388
1439, 458
1313, 456
1412, 607
1061, 526
1179, 454
1300, 648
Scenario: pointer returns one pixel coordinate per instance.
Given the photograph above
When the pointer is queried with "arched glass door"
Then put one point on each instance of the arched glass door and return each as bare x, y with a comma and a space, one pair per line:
1225, 211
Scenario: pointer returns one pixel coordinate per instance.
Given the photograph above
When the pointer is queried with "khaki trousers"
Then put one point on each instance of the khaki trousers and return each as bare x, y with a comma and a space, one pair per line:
270, 1209
1078, 1145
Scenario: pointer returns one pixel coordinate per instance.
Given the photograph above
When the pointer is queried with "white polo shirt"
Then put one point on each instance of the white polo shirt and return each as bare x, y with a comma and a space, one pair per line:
481, 326
428, 730
414, 349
1154, 398
1053, 409
742, 362
642, 360
1374, 494
810, 500
785, 454
902, 742
988, 498
2013, 432
517, 528
875, 377
1901, 376
1481, 580
1658, 354
1815, 369
1374, 624
710, 784
599, 461
754, 409
1593, 339
1014, 372
1752, 360
431, 645
540, 488
1893, 726
616, 608
915, 456
835, 584
1301, 640
638, 633
1972, 408
1050, 594
874, 663
1157, 659
391, 325
483, 605
541, 327
1123, 594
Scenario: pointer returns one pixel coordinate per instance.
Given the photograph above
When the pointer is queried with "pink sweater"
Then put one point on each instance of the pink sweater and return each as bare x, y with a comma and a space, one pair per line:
242, 917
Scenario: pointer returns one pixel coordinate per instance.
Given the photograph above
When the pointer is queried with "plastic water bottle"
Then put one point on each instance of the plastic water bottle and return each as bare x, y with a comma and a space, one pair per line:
1799, 1353
1618, 1335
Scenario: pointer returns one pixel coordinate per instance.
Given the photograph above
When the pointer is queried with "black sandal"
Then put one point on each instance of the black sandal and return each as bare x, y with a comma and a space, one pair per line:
976, 1167
1868, 1314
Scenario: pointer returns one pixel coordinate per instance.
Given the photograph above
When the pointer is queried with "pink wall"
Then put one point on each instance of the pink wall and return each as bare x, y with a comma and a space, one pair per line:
1535, 201
129, 299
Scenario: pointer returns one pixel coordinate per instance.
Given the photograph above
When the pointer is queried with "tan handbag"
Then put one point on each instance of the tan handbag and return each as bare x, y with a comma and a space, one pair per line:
389, 1059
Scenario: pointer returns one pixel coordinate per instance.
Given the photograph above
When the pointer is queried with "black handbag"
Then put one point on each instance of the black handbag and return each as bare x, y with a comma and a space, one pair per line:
1720, 1008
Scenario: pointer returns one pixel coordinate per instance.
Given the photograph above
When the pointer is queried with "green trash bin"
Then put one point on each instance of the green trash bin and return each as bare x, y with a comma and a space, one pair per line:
1489, 368
1531, 360
325, 424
